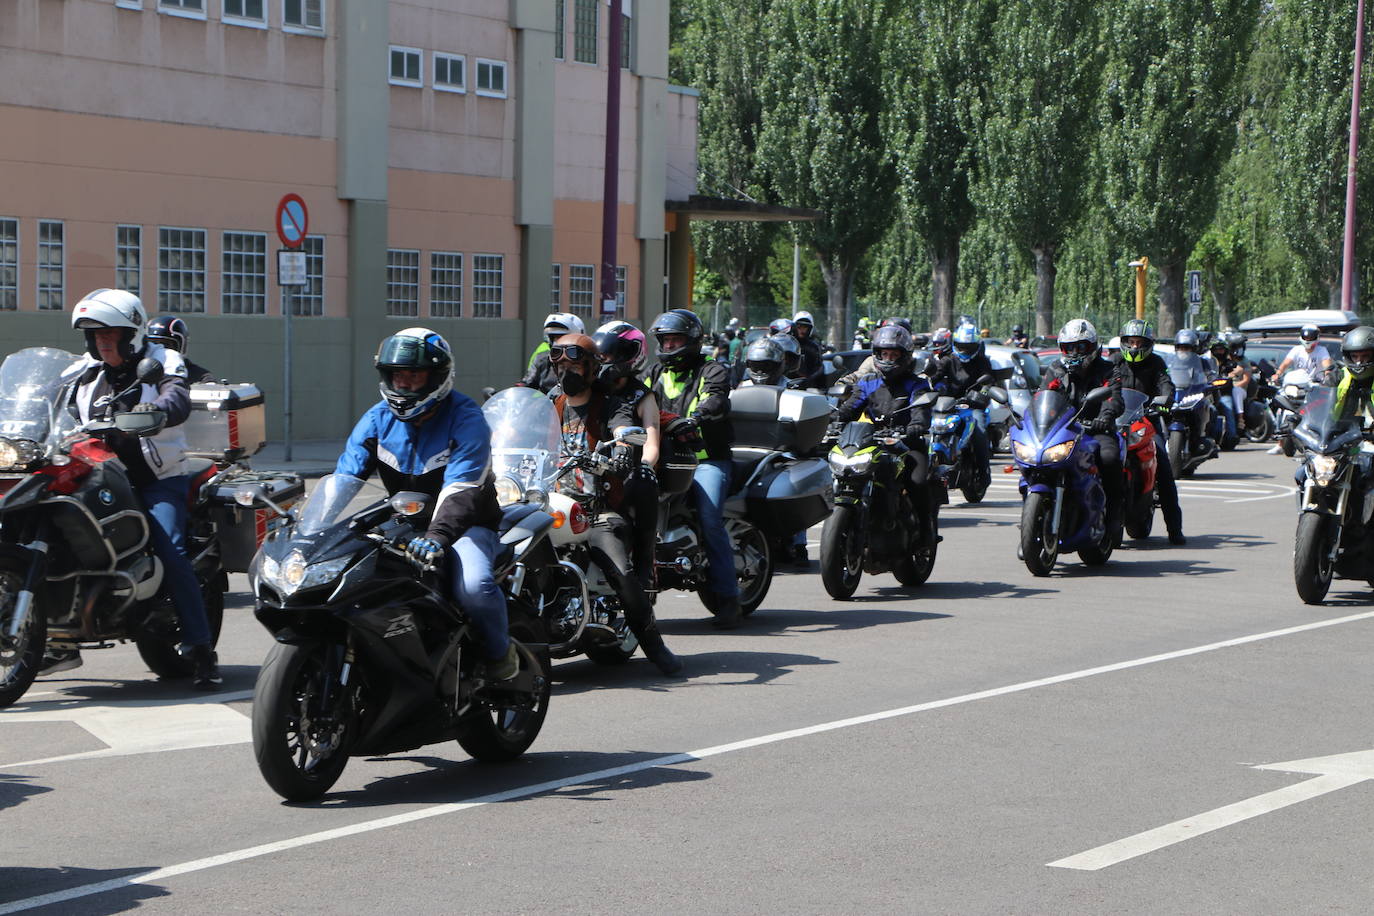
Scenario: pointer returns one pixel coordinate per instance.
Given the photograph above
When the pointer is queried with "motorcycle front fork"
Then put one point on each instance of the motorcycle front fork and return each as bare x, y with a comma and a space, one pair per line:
23, 602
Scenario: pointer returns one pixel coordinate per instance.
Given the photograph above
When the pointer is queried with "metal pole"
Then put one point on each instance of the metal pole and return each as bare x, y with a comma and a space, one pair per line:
610, 195
796, 276
1348, 260
286, 308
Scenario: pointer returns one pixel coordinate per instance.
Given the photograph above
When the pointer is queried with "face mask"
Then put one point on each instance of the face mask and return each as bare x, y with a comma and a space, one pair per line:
573, 384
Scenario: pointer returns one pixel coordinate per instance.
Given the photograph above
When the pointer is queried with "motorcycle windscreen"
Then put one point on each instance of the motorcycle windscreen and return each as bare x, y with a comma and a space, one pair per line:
526, 438
1048, 410
327, 503
1322, 426
31, 387
1136, 402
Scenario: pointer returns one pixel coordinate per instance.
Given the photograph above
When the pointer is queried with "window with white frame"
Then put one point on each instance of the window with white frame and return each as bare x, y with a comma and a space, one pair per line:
556, 288
303, 15
491, 78
129, 4
193, 8
9, 264
488, 285
581, 289
308, 300
52, 270
585, 22
450, 72
621, 276
445, 284
558, 29
243, 273
405, 67
129, 259
403, 282
180, 269
246, 12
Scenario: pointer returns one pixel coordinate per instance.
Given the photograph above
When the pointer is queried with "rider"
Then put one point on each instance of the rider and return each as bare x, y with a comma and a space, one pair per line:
764, 362
116, 340
1308, 355
1232, 402
172, 333
589, 413
1078, 371
1189, 371
962, 375
698, 391
426, 437
811, 373
1018, 337
941, 343
1242, 374
1144, 370
1354, 380
539, 374
863, 333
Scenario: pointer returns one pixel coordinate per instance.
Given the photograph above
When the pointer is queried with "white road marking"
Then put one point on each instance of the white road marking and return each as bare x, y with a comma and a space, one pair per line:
324, 836
1333, 773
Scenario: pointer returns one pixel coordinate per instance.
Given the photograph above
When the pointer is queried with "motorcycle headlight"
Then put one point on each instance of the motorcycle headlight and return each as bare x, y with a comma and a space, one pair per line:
537, 497
944, 424
17, 454
1056, 453
850, 464
1137, 435
1292, 391
294, 574
1324, 469
1023, 452
507, 492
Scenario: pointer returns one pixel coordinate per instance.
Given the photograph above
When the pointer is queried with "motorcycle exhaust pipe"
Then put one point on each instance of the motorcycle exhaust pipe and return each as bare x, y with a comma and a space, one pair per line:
23, 602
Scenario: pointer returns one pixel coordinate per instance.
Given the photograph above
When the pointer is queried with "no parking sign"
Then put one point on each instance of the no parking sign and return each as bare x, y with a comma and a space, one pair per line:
293, 220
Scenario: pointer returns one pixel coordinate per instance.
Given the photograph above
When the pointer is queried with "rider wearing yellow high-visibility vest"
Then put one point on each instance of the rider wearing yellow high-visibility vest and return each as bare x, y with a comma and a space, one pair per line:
1354, 380
697, 389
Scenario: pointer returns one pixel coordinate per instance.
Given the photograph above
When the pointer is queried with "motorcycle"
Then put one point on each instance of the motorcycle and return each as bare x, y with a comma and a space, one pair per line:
77, 570
372, 657
1222, 427
1296, 384
1260, 421
1064, 507
1192, 405
1334, 535
876, 526
952, 425
1138, 435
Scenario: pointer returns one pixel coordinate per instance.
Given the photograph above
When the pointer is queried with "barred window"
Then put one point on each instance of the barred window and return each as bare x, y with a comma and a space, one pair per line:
488, 285
308, 300
559, 27
581, 290
585, 13
446, 284
180, 269
243, 273
556, 288
52, 271
129, 259
403, 282
9, 264
306, 15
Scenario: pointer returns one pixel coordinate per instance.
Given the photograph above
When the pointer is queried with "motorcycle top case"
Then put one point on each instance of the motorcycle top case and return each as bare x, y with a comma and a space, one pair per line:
242, 530
227, 422
778, 420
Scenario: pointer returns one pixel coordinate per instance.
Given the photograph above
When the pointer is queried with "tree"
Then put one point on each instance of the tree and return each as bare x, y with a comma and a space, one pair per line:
821, 142
724, 52
1171, 101
1037, 121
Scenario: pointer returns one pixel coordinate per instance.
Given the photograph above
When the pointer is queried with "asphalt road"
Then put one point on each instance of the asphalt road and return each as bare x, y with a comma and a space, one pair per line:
989, 743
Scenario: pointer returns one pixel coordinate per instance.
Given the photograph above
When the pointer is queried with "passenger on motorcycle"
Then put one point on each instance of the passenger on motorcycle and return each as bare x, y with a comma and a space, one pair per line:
115, 325
425, 437
1308, 355
589, 414
1232, 402
764, 362
1242, 374
1143, 370
811, 371
1018, 337
540, 374
1078, 371
172, 333
1189, 372
963, 374
791, 358
699, 393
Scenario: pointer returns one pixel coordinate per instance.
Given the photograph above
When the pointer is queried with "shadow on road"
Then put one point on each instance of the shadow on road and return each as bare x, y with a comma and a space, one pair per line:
974, 521
582, 676
22, 884
15, 790
236, 678
856, 614
1141, 569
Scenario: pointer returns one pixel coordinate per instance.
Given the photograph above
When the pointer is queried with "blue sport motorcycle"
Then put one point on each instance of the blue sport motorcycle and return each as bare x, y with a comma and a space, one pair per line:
1064, 507
952, 425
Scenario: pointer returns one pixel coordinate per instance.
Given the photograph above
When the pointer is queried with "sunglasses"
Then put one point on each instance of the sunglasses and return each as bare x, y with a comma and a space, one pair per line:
571, 353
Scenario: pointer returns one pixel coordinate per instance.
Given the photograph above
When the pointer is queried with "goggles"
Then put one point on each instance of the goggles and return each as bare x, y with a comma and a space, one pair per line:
571, 353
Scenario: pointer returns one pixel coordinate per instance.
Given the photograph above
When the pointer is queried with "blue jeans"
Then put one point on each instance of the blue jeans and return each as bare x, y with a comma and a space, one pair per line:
710, 487
474, 587
168, 509
1228, 411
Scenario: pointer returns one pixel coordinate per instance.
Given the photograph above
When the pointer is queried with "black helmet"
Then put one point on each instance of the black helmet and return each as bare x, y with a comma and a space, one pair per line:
1137, 327
892, 337
791, 353
897, 320
415, 348
1017, 330
1204, 337
1357, 352
620, 349
764, 360
678, 321
170, 331
1236, 341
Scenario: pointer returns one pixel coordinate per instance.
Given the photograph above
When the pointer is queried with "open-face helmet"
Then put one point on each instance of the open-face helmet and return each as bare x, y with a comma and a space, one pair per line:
560, 323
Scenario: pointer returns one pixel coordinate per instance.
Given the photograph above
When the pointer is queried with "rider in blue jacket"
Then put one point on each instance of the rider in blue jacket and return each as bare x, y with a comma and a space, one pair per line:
425, 437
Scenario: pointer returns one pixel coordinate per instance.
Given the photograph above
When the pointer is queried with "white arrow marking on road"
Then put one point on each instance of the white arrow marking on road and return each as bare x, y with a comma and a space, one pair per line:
144, 726
1336, 772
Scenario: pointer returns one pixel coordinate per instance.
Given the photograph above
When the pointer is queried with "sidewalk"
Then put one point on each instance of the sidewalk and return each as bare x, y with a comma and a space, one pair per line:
311, 458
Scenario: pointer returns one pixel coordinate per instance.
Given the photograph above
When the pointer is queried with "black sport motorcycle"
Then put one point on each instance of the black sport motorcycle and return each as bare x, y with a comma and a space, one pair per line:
372, 657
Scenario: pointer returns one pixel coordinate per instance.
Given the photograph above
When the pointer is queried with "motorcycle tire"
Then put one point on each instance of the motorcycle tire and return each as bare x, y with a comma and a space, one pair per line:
618, 653
915, 569
1288, 446
1141, 520
160, 653
299, 767
1177, 440
502, 734
1098, 554
21, 657
1261, 430
1039, 545
753, 563
842, 553
974, 493
1312, 567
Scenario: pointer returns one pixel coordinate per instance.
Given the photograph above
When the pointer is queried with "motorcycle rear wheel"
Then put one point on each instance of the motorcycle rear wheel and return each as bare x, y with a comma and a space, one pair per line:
916, 569
753, 564
1312, 567
842, 553
502, 734
297, 759
21, 657
1039, 544
1261, 430
160, 653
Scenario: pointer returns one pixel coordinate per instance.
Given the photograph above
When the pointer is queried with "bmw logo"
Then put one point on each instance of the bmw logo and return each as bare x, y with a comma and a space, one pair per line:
105, 497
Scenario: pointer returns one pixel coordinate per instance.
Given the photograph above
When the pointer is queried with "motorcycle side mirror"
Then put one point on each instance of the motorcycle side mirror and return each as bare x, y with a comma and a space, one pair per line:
998, 394
925, 397
1161, 401
254, 496
631, 435
148, 423
409, 503
150, 371
1097, 394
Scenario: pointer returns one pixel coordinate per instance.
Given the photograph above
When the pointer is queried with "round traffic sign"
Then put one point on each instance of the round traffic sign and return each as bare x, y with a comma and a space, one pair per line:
293, 221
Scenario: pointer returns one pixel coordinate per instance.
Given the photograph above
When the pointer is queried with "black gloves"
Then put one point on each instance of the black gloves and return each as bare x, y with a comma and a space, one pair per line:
1097, 425
682, 426
622, 462
646, 474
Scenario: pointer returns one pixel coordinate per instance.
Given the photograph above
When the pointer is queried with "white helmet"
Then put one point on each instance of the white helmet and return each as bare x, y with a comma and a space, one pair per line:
112, 308
560, 323
1078, 342
804, 318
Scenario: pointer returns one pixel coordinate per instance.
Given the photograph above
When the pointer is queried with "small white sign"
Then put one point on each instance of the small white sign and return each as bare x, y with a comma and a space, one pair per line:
608, 306
291, 268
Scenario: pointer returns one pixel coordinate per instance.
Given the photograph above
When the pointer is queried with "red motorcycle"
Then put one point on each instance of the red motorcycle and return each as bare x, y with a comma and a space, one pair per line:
1138, 433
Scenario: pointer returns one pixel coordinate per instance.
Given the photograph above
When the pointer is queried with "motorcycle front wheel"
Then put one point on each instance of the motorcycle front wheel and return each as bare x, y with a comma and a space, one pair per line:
1312, 557
299, 740
1039, 543
842, 553
1141, 519
1260, 430
1177, 439
978, 488
20, 656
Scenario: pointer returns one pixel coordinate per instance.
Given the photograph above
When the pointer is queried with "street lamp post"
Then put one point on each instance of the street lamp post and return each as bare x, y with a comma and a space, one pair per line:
1348, 259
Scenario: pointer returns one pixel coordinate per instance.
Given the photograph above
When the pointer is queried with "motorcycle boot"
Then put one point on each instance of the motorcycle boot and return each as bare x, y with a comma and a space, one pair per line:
655, 650
206, 676
56, 660
727, 614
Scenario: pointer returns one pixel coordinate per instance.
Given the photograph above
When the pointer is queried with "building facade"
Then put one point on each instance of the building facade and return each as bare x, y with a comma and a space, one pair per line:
450, 154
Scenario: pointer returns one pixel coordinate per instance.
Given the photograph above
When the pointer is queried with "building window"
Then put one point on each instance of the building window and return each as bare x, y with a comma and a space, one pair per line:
246, 12
243, 274
621, 275
405, 67
449, 72
308, 300
129, 259
488, 285
51, 267
305, 15
9, 264
403, 282
491, 78
556, 288
627, 33
195, 9
180, 269
129, 4
558, 29
445, 284
581, 290
585, 14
